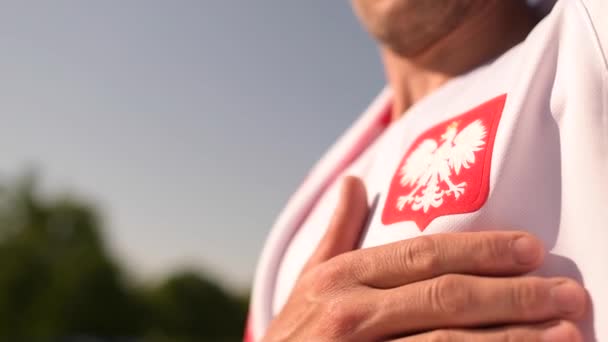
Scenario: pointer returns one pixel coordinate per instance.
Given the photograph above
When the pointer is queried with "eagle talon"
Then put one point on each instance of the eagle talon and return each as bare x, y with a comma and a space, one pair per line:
403, 200
457, 190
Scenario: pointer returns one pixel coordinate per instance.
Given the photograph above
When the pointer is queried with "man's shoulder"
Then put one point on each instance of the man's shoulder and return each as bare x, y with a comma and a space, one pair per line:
596, 12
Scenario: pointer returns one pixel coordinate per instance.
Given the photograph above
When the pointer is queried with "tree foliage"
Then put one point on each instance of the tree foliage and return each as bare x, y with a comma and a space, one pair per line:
58, 281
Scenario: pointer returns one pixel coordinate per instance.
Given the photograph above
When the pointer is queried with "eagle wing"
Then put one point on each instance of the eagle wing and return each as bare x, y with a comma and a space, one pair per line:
468, 141
417, 164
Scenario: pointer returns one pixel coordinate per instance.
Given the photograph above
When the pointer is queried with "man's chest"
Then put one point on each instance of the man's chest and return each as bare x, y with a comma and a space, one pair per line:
467, 170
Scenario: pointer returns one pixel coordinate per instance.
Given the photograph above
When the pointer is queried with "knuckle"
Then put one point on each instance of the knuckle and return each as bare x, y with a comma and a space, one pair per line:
440, 336
420, 253
361, 269
325, 278
493, 248
527, 294
450, 295
341, 319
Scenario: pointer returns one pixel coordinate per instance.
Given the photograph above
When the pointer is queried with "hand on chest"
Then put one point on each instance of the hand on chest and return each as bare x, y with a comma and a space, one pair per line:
476, 169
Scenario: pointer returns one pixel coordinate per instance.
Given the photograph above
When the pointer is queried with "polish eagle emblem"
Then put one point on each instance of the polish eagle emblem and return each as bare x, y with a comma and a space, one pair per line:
431, 167
446, 169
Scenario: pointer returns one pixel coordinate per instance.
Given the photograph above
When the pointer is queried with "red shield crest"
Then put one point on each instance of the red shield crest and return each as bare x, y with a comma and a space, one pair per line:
447, 169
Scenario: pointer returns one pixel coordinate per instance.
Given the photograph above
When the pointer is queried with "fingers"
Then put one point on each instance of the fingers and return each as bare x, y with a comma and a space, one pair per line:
560, 331
346, 224
481, 253
461, 301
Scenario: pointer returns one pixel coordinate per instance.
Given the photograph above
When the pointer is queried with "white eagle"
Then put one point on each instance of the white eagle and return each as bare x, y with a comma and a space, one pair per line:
430, 165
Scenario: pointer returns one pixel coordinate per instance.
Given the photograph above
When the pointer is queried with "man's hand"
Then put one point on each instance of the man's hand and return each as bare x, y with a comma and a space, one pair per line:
444, 287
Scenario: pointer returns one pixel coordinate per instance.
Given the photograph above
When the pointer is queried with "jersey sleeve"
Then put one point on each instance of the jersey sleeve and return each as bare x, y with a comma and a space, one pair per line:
597, 10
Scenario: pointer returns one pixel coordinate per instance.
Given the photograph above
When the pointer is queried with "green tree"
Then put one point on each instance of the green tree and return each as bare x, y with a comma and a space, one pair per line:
188, 307
57, 280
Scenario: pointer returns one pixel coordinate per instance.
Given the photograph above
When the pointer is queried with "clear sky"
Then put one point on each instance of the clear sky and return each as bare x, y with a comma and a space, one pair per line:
189, 122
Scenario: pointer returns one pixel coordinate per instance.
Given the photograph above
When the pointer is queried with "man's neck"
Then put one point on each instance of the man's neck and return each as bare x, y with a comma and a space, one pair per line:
494, 30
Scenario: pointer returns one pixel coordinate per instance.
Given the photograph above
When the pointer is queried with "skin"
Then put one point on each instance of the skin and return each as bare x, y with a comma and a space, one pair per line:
431, 288
409, 27
421, 42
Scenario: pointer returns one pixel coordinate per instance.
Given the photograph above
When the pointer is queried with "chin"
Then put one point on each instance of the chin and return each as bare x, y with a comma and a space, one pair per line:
408, 27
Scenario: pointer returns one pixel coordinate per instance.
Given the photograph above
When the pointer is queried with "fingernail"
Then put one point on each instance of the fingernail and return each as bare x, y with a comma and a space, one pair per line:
568, 297
526, 250
559, 333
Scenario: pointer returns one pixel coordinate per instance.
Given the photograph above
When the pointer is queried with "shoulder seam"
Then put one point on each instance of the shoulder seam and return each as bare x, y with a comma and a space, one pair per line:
593, 29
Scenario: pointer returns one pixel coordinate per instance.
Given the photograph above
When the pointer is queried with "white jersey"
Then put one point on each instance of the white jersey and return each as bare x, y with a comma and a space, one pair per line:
518, 144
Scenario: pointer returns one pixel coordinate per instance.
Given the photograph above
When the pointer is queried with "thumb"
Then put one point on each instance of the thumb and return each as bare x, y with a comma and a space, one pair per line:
346, 224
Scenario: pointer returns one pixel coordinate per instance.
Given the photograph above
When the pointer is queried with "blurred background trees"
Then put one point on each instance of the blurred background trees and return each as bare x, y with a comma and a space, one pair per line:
58, 282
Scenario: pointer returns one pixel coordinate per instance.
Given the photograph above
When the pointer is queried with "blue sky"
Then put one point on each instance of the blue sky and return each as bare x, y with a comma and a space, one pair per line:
188, 122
